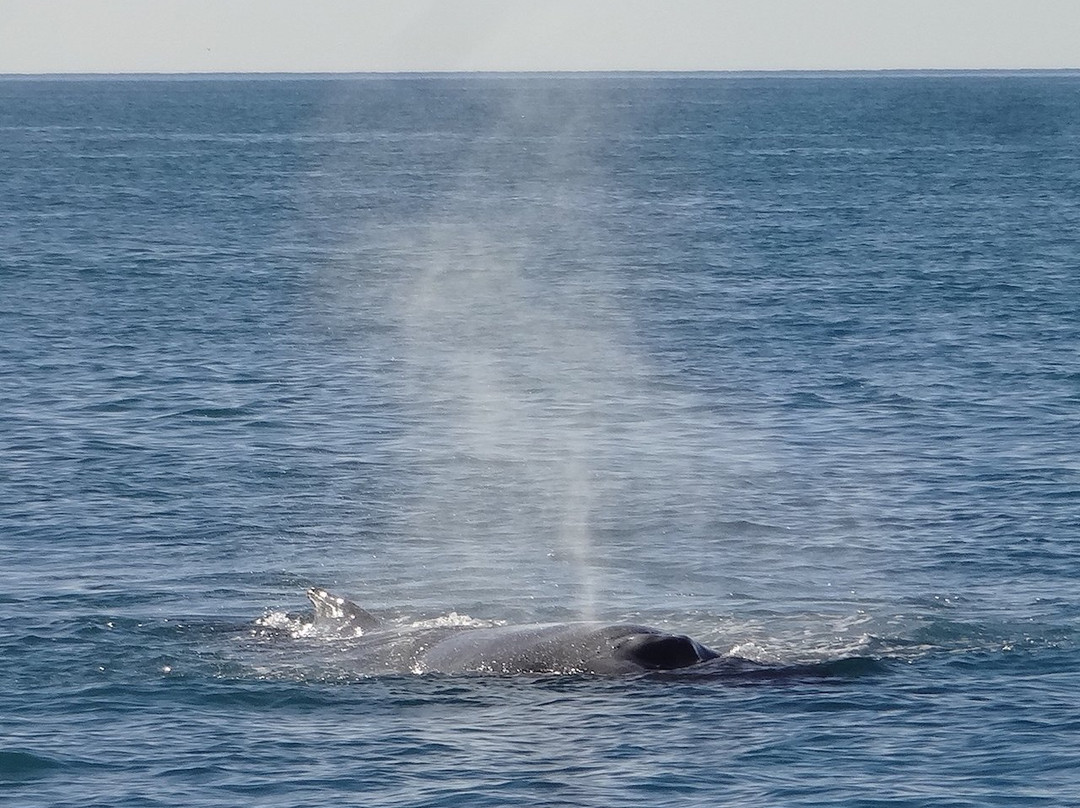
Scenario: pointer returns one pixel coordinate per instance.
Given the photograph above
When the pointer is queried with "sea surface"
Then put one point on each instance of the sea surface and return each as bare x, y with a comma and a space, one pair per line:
787, 363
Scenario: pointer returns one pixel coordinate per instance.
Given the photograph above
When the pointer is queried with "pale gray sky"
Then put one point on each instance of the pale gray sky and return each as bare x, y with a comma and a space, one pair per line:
108, 36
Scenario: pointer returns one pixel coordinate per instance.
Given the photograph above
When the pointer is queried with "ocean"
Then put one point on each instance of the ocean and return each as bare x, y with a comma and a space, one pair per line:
786, 363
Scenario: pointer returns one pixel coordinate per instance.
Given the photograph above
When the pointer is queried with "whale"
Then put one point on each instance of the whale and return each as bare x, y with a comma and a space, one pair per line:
585, 647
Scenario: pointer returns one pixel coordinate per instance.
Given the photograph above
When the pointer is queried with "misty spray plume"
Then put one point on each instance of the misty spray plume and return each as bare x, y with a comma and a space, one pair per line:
533, 443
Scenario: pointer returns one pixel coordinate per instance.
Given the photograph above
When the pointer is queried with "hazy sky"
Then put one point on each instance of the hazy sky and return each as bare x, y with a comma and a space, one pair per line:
79, 36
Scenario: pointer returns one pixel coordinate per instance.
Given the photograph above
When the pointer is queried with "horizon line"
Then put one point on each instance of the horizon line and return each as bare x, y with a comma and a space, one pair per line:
745, 72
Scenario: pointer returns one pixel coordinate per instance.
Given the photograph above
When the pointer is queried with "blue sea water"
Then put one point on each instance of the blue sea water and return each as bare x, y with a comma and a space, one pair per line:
790, 364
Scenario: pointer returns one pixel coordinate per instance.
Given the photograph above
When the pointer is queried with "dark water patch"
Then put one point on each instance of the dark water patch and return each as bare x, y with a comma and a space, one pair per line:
18, 766
744, 671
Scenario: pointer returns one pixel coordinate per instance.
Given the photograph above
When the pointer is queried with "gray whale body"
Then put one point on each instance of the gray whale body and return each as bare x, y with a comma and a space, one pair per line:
586, 647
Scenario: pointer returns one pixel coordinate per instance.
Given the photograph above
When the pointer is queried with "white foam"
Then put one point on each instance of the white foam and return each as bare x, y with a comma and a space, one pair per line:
282, 621
453, 620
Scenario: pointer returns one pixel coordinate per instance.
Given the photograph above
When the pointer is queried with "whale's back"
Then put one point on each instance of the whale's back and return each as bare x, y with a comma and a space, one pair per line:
563, 648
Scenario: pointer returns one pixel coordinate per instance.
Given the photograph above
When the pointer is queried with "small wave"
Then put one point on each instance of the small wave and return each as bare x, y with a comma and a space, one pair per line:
743, 527
733, 668
16, 765
753, 652
779, 652
807, 400
114, 405
215, 413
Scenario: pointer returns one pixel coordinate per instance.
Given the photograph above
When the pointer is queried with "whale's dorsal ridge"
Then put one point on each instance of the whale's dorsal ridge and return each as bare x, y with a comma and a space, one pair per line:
338, 611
